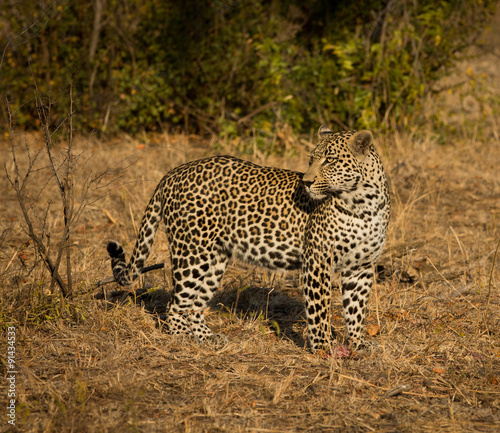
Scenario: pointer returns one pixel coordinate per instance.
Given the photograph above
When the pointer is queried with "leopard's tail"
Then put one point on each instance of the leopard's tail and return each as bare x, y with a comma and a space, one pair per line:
118, 263
125, 274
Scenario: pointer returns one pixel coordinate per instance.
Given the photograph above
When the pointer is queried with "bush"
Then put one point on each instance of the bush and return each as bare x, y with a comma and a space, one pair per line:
231, 67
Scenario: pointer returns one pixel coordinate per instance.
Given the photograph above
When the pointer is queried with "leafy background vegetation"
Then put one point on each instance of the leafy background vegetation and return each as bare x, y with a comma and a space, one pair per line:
229, 67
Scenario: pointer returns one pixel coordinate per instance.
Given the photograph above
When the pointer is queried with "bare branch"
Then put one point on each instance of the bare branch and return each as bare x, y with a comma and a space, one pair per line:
99, 6
20, 189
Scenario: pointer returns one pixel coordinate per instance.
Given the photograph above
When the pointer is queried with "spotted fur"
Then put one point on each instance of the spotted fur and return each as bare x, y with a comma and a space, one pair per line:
331, 219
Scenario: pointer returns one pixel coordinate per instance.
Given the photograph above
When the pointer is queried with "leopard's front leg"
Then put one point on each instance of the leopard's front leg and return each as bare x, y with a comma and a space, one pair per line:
317, 293
356, 287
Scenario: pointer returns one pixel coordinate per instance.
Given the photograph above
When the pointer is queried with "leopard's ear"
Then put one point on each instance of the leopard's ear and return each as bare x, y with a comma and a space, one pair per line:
324, 132
360, 142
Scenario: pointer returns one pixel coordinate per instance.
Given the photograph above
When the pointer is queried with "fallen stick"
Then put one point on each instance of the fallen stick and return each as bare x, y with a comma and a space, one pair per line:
111, 279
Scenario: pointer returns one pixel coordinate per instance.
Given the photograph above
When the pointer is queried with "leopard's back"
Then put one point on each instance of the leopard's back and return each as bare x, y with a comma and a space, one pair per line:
257, 213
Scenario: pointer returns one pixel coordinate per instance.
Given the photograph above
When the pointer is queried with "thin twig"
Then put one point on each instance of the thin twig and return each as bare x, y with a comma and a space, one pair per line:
109, 280
489, 287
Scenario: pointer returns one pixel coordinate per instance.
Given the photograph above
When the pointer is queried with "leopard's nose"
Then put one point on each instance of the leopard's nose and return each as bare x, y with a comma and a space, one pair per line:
307, 183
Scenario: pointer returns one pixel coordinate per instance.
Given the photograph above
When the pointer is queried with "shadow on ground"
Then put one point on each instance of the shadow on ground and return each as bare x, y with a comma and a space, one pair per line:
277, 310
274, 308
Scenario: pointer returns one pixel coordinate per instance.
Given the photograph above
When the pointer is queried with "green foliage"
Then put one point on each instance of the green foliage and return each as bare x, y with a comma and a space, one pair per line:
35, 307
231, 67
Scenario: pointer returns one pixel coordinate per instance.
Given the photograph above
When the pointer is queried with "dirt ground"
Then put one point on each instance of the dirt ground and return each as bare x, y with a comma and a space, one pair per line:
99, 362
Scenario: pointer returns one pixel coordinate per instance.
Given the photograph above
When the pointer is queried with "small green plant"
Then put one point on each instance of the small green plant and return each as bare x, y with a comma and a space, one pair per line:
81, 392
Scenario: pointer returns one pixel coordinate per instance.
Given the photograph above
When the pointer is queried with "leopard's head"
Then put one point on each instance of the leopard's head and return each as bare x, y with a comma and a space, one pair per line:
336, 164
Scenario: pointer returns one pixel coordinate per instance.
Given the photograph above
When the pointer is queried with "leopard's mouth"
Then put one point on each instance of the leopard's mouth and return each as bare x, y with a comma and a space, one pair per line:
316, 195
320, 194
333, 193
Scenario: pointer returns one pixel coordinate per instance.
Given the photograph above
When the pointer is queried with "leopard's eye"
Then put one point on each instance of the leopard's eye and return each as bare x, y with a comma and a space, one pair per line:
330, 159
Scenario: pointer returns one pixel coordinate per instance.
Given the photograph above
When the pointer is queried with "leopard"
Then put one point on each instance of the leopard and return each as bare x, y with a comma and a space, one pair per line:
330, 222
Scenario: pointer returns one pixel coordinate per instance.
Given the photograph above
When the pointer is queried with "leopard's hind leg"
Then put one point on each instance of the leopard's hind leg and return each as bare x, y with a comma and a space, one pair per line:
196, 279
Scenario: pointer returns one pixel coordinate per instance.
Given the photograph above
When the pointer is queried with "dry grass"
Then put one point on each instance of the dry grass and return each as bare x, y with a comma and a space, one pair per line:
87, 365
